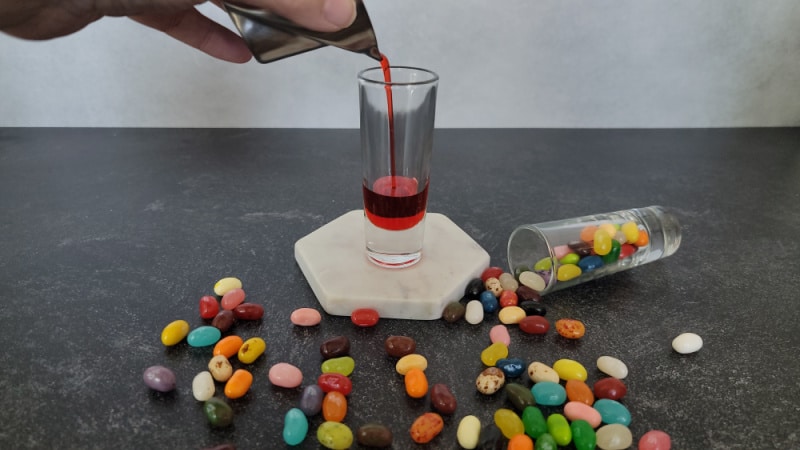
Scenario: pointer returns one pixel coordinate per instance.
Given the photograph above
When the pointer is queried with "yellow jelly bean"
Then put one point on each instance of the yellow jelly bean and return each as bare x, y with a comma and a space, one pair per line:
568, 272
251, 350
409, 362
174, 332
226, 284
508, 422
511, 315
631, 231
602, 242
491, 354
568, 369
469, 431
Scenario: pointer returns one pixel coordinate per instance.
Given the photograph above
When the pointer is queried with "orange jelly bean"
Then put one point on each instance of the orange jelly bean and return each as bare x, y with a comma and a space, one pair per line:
643, 239
520, 442
426, 427
238, 384
416, 383
579, 391
587, 233
334, 406
228, 346
570, 328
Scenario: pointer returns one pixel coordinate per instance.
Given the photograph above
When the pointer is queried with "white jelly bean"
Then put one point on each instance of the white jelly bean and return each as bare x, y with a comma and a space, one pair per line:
533, 280
474, 313
203, 386
469, 431
612, 366
687, 343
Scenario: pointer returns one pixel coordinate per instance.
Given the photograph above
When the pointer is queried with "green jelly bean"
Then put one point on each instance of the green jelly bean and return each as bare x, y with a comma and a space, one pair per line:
335, 435
295, 426
613, 254
519, 396
519, 270
570, 258
218, 412
343, 365
558, 427
533, 421
583, 435
543, 265
545, 442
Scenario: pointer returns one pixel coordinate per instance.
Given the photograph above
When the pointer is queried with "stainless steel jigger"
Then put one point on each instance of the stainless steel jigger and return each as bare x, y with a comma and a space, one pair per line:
271, 37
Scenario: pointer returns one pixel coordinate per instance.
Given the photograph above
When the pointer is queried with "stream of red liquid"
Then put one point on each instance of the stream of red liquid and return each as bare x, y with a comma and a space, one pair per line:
387, 78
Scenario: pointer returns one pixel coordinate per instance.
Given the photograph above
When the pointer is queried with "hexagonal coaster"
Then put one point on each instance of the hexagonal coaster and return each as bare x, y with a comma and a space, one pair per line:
334, 261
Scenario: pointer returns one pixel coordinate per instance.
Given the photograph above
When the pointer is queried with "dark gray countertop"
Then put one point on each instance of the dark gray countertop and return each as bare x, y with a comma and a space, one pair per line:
109, 234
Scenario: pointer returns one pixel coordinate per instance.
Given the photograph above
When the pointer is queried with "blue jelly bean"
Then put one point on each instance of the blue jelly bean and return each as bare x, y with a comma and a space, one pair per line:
590, 263
295, 426
489, 302
203, 336
511, 367
612, 411
549, 393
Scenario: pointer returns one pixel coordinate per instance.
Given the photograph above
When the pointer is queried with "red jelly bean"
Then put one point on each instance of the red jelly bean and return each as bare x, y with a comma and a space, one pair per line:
248, 311
365, 317
610, 388
233, 298
209, 307
330, 382
626, 250
491, 272
508, 298
534, 325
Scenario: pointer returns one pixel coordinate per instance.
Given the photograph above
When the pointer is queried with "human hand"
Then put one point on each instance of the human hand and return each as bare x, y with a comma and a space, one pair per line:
46, 19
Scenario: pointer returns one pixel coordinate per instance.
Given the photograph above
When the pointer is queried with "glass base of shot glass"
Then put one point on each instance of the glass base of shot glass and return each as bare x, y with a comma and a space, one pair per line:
394, 249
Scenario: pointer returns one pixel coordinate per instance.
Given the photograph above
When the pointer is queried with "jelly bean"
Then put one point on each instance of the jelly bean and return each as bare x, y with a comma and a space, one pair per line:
203, 336
520, 442
335, 435
533, 308
581, 411
426, 427
468, 432
285, 375
519, 396
583, 436
526, 294
587, 233
203, 386
602, 242
558, 427
626, 250
612, 411
508, 422
174, 332
209, 306
453, 312
374, 435
570, 258
508, 298
560, 251
508, 282
620, 237
609, 228
223, 321
220, 368
570, 328
334, 407
539, 372
569, 369
499, 333
610, 388
416, 383
545, 442
612, 366
474, 313
614, 437
414, 360
238, 384
228, 346
295, 427
335, 382
582, 248
442, 399
655, 440
590, 263
612, 254
251, 349
579, 391
533, 420
233, 298
492, 353
365, 317
489, 302
311, 400
631, 231
399, 346
534, 325
490, 381
335, 347
511, 367
491, 272
343, 365
511, 315
686, 343
159, 378
568, 272
643, 240
248, 311
305, 317
473, 289
218, 413
548, 393
493, 285
542, 265
226, 284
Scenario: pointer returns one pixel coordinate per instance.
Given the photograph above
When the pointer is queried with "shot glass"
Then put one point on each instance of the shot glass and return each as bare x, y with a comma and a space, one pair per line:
554, 255
397, 107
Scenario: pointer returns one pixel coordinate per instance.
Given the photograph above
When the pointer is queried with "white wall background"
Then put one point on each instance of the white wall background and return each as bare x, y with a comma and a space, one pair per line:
503, 63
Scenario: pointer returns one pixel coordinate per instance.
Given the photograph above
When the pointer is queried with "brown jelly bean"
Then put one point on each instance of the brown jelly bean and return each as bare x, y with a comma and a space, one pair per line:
610, 388
374, 435
580, 247
335, 347
399, 346
248, 311
454, 311
442, 399
525, 293
224, 320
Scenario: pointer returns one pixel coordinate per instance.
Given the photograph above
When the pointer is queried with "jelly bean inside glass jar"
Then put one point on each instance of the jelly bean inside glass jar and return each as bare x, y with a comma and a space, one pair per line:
563, 253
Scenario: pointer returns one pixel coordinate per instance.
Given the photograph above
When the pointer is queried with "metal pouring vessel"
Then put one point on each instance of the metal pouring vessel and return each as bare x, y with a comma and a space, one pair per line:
271, 37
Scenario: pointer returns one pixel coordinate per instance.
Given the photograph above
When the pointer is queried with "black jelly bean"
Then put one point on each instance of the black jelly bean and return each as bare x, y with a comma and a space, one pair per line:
474, 289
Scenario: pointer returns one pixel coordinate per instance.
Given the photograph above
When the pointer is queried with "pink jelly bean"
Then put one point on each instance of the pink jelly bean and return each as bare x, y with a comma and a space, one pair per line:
655, 440
582, 411
306, 317
232, 299
561, 251
499, 333
285, 375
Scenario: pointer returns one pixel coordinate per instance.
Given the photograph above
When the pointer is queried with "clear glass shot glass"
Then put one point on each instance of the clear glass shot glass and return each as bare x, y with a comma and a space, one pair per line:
397, 107
555, 255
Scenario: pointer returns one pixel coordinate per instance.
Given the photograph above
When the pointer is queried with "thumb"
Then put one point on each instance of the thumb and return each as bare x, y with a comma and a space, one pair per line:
318, 15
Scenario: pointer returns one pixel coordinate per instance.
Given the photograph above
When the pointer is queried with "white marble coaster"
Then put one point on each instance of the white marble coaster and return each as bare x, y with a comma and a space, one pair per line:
334, 261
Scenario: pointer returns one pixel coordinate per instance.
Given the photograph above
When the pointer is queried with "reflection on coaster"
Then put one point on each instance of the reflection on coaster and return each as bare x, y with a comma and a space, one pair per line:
334, 261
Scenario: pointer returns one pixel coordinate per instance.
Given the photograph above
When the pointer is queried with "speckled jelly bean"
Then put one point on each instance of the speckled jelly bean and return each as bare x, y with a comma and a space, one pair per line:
335, 347
511, 367
583, 435
416, 383
612, 366
223, 321
399, 346
655, 440
203, 336
489, 302
285, 375
174, 332
343, 365
508, 298
311, 400
490, 381
548, 393
491, 272
614, 437
686, 343
567, 272
569, 369
610, 388
228, 346
238, 384
519, 396
558, 427
365, 317
226, 284
499, 333
538, 372
335, 382
520, 442
545, 442
442, 399
579, 391
159, 378
374, 435
251, 349
208, 306
220, 368
453, 312
508, 422
305, 317
493, 285
581, 411
218, 413
426, 427
511, 315
248, 311
334, 407
295, 427
590, 263
570, 328
233, 298
474, 312
612, 411
468, 432
203, 386
492, 353
335, 435
412, 361
534, 422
